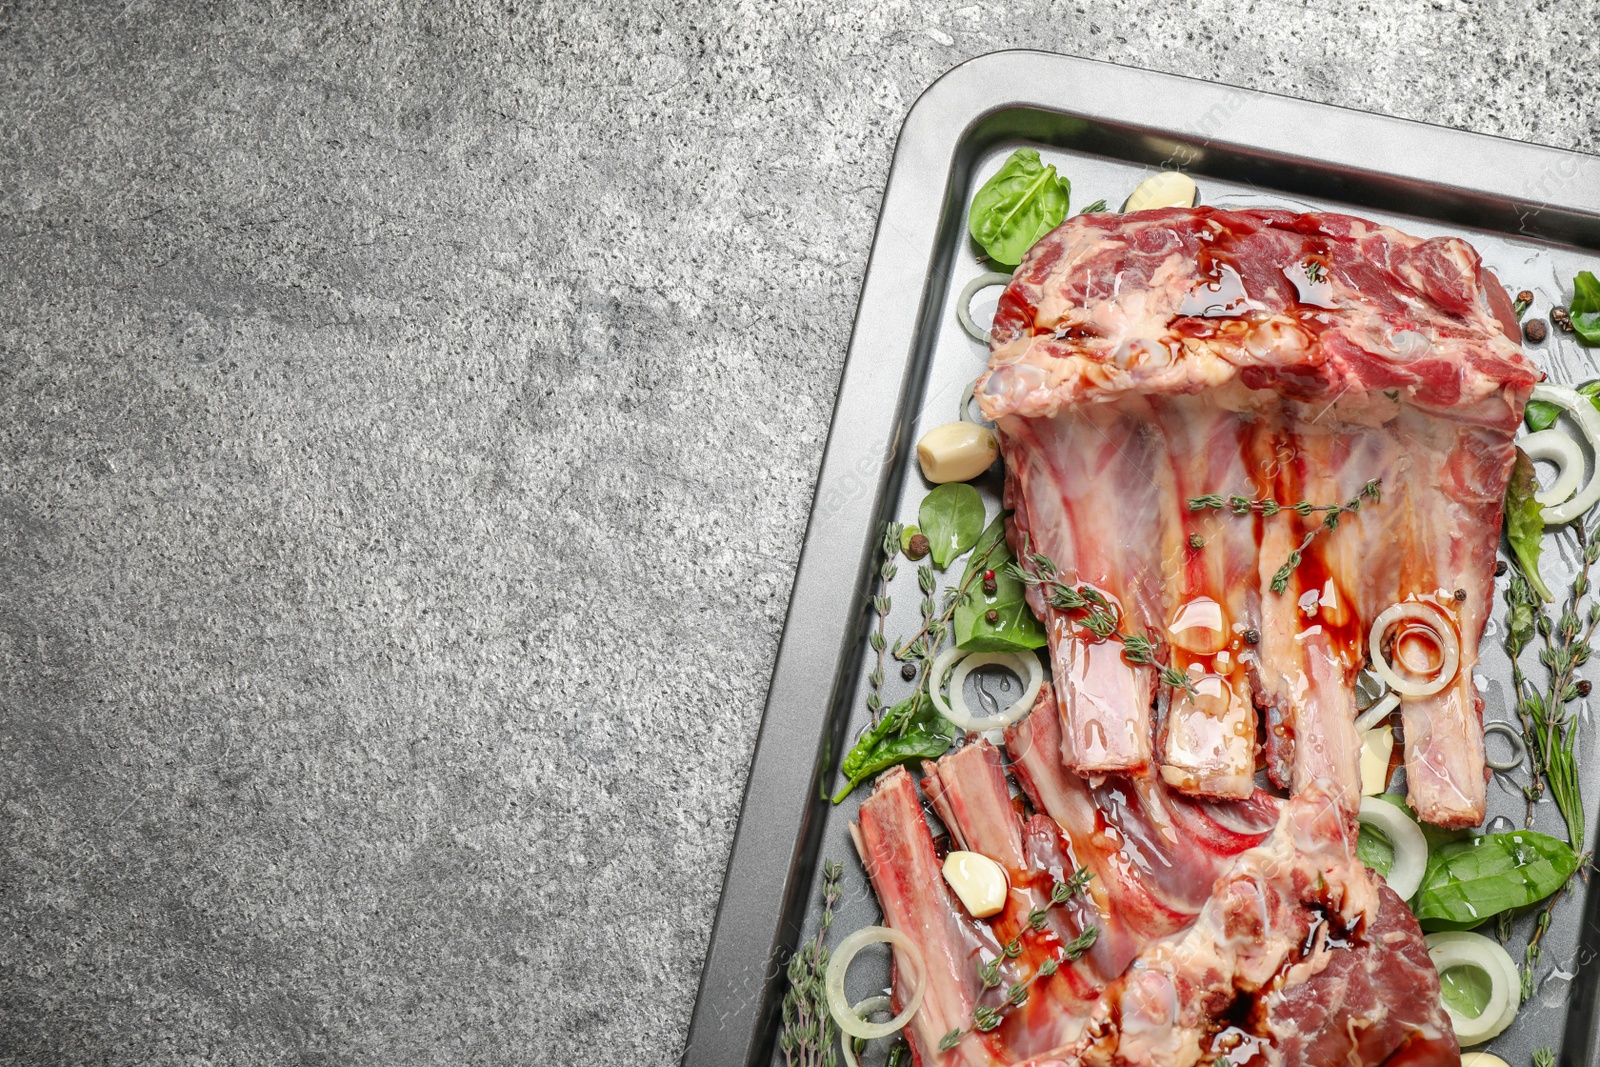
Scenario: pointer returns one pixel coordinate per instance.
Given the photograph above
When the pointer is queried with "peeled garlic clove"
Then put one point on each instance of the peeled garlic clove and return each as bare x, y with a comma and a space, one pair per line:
956, 452
1169, 188
1482, 1059
979, 881
1376, 746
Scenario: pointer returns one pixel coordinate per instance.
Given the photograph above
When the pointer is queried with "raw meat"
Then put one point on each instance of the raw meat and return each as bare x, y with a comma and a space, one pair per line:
1225, 929
1139, 361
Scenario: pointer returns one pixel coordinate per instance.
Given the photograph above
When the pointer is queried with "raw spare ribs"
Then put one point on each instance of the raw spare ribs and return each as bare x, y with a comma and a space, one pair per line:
1230, 932
1140, 361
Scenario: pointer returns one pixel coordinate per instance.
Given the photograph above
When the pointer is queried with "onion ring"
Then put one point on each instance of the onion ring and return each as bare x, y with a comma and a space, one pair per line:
1518, 745
1024, 665
970, 290
1462, 949
851, 1023
1584, 413
1431, 618
1381, 709
861, 1010
1558, 447
1410, 847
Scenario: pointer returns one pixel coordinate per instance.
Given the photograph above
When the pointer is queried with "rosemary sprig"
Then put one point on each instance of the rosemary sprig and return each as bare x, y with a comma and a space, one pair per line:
988, 1017
1315, 271
1543, 1057
1243, 505
1550, 729
810, 1037
880, 604
1099, 617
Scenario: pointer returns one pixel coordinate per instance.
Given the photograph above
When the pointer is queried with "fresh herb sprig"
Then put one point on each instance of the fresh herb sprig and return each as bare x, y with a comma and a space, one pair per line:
1099, 617
1530, 955
1550, 728
1543, 1057
1331, 514
880, 604
923, 646
810, 1038
989, 1017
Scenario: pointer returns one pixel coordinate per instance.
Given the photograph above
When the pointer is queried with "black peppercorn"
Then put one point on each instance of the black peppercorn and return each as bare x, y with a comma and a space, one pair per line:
1252, 637
1461, 595
1560, 314
1499, 567
1584, 686
1525, 297
908, 671
1534, 331
989, 584
918, 546
991, 616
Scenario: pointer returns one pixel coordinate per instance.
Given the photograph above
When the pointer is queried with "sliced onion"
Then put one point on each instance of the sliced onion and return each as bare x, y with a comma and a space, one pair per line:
1558, 447
862, 1009
1583, 412
1023, 665
851, 1023
1464, 949
1410, 847
1518, 746
970, 290
1380, 710
1449, 648
936, 675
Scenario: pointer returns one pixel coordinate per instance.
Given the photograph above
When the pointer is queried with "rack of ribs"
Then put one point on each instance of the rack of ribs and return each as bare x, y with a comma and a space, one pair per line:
1141, 361
1222, 927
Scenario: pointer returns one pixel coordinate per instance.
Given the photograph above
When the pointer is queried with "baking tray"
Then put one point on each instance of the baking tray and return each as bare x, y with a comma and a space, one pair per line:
1532, 211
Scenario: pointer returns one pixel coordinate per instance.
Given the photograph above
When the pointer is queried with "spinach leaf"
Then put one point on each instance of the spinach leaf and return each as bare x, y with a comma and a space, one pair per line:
1471, 881
1541, 414
951, 518
1024, 200
1016, 630
910, 730
1585, 308
1375, 850
1525, 522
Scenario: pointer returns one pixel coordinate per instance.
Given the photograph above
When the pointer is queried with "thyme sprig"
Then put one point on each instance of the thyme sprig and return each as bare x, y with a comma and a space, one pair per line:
1550, 728
922, 647
810, 1037
1530, 955
1331, 514
1544, 1057
1099, 616
880, 604
988, 1017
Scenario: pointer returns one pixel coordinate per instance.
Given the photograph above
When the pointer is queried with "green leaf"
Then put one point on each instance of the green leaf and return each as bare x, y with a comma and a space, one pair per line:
912, 729
1525, 522
952, 519
1540, 414
1024, 200
1585, 307
1375, 850
1474, 880
1016, 630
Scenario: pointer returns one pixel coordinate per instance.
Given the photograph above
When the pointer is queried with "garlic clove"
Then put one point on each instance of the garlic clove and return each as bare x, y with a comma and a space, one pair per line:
1482, 1059
956, 452
1377, 744
979, 881
1167, 188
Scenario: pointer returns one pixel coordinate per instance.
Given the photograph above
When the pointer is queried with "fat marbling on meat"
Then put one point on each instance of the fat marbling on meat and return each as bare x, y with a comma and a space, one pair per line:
1138, 361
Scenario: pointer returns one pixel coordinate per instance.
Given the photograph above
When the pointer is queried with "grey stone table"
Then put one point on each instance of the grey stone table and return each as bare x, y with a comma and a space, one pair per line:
407, 420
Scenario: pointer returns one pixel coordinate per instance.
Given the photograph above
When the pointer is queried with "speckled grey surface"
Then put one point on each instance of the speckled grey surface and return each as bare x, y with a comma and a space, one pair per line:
406, 426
